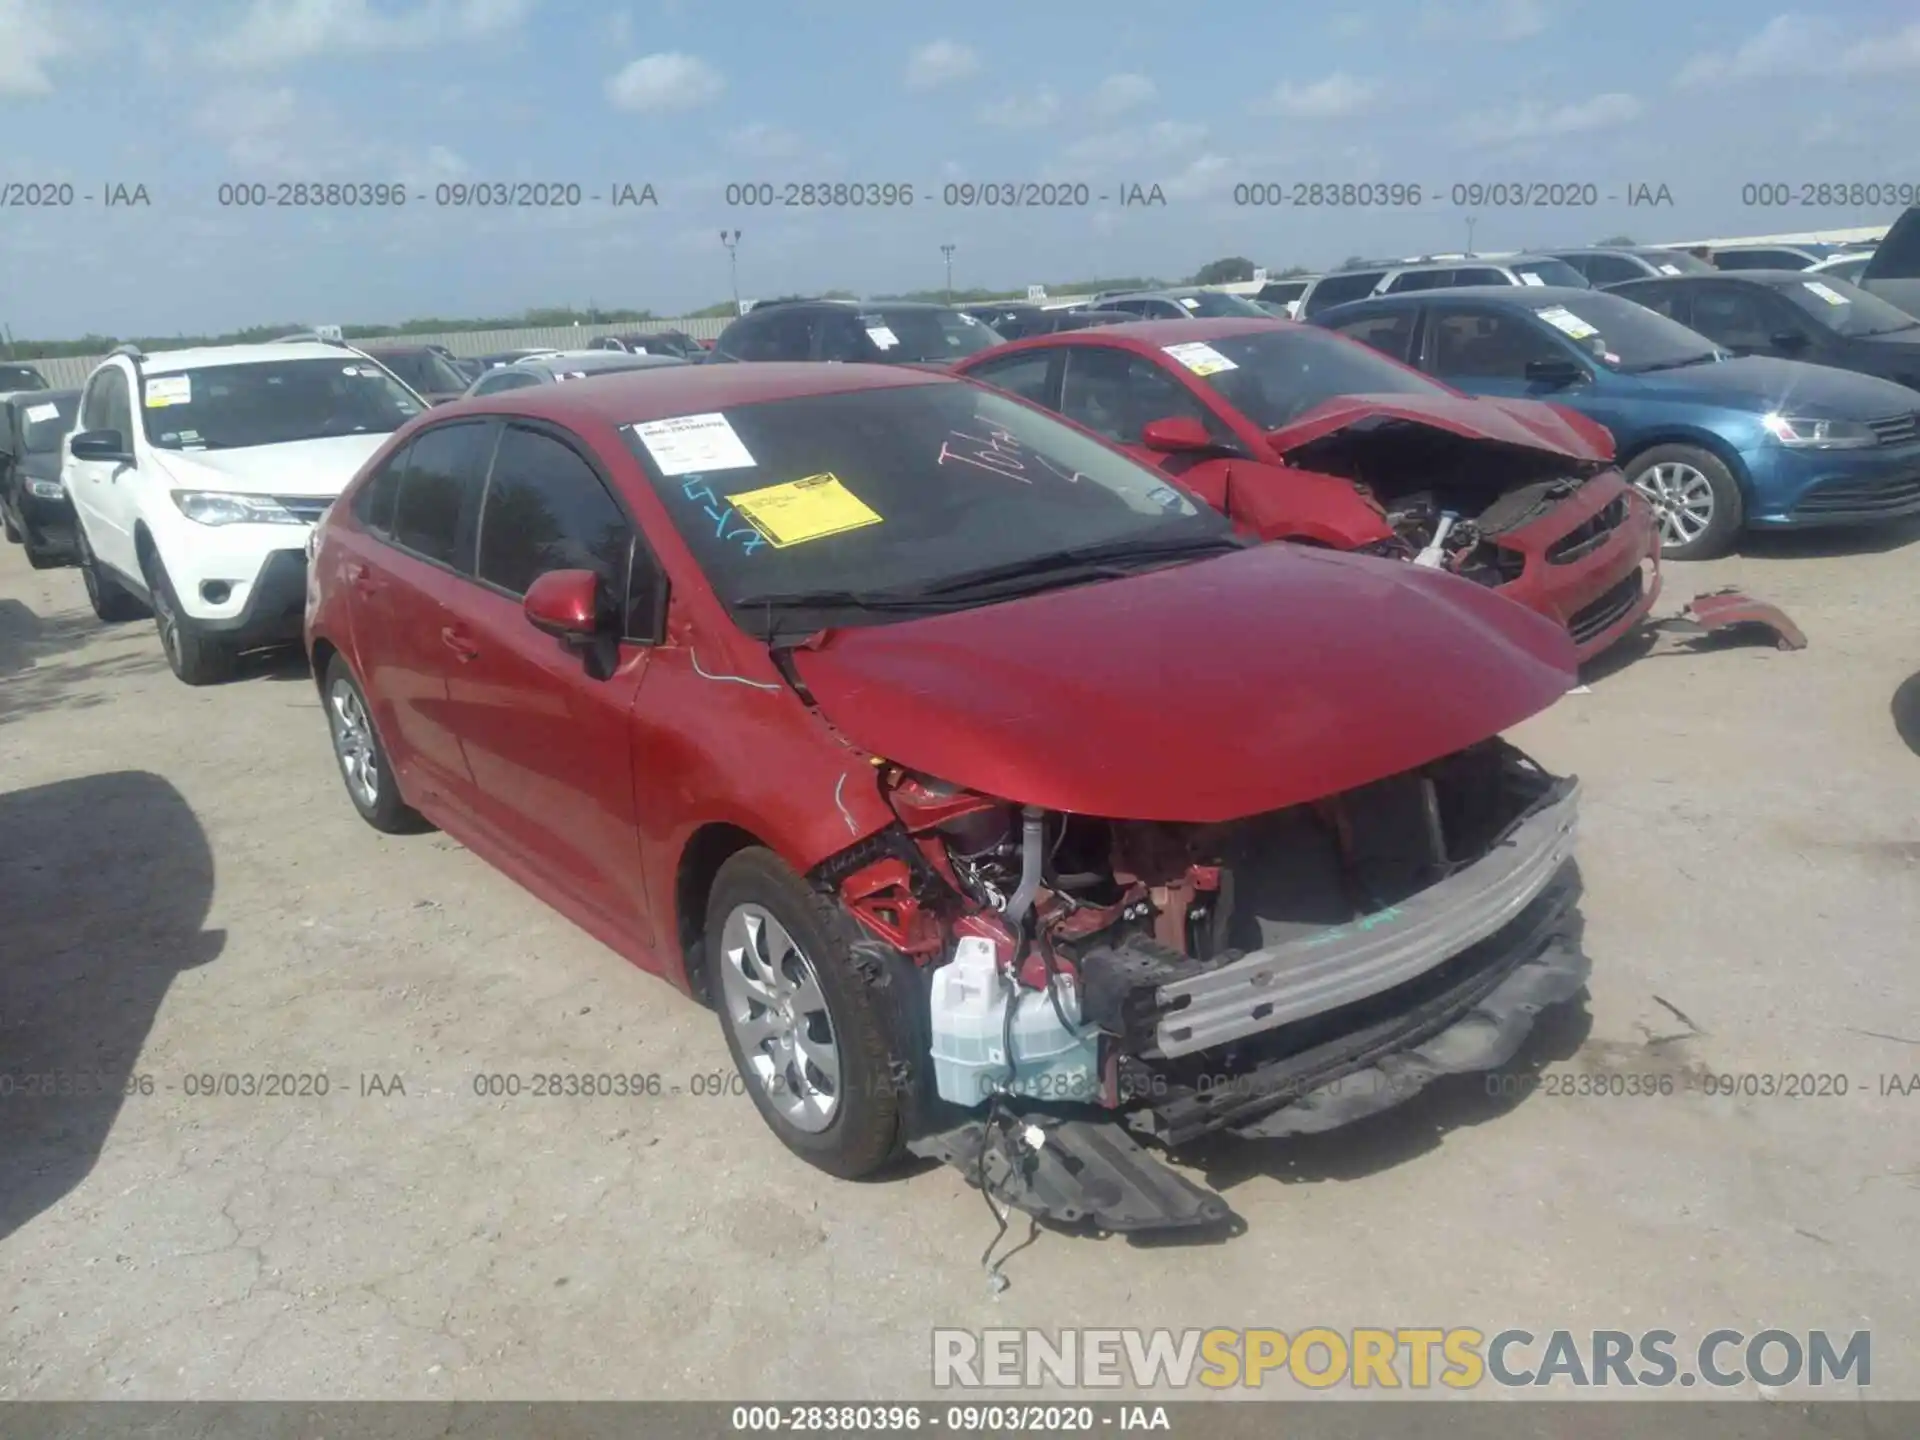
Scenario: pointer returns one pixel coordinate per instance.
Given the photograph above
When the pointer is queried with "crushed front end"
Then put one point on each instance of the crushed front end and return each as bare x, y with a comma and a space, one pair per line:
1111, 982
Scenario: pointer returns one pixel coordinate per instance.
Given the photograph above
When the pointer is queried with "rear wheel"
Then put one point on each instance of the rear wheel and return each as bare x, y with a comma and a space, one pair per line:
363, 759
812, 1038
196, 657
1696, 501
13, 531
111, 600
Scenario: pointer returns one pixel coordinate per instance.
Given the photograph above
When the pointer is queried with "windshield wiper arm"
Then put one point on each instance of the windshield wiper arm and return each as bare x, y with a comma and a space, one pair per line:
1109, 557
1700, 359
835, 600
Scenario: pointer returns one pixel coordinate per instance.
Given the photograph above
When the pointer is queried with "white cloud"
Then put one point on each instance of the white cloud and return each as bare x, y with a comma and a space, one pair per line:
760, 141
940, 62
668, 81
1533, 121
1794, 45
1021, 112
28, 40
1118, 94
1329, 98
282, 32
1163, 140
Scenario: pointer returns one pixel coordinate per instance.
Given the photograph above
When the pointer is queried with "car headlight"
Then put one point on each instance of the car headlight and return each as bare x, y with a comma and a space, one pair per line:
46, 489
1819, 434
217, 507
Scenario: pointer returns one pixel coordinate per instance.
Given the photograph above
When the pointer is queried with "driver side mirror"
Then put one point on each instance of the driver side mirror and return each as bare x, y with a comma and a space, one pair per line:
1556, 372
566, 605
1176, 435
101, 445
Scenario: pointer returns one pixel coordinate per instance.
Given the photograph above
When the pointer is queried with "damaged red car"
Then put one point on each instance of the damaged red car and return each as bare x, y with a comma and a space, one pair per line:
1007, 805
1297, 434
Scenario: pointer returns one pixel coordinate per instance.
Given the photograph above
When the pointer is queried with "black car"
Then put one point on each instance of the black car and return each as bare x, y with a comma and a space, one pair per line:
509, 357
1894, 271
1189, 304
1793, 315
1605, 265
563, 365
878, 332
33, 502
652, 342
1059, 320
17, 377
1012, 321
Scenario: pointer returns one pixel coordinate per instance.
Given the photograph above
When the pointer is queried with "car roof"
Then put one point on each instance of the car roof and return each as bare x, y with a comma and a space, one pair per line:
164, 362
1508, 295
661, 392
1148, 335
1752, 277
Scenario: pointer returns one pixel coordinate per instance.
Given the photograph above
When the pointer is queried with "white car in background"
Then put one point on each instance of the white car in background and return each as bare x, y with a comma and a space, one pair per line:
1847, 266
196, 476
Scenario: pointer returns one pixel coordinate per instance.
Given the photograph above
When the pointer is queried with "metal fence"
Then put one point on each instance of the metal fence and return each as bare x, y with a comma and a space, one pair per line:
69, 372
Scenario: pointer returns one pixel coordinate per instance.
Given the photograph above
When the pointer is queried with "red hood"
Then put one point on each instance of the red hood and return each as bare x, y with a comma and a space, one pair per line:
1531, 424
1202, 692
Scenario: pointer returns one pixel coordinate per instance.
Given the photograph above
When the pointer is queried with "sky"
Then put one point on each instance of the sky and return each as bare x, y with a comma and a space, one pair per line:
693, 96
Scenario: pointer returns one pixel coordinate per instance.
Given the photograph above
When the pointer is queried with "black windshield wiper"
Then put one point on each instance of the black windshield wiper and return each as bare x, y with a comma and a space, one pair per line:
838, 600
1711, 355
1116, 557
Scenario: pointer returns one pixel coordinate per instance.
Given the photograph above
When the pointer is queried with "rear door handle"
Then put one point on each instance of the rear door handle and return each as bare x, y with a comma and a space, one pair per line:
458, 641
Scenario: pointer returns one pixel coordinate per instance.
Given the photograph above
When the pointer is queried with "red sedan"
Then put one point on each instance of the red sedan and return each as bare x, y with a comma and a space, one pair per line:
973, 773
1276, 424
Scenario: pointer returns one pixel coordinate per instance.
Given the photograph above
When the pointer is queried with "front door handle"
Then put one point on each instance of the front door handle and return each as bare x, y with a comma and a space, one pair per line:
461, 643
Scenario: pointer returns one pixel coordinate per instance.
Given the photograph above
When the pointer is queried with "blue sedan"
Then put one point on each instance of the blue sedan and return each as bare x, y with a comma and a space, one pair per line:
1717, 444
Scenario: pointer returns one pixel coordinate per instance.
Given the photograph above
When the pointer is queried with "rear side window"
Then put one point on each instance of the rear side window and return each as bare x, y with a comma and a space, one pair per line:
1390, 334
433, 513
547, 510
1420, 280
373, 506
1339, 289
1669, 300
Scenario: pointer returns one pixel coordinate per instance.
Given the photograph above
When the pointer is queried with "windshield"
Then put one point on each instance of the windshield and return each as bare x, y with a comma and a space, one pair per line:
1844, 308
904, 337
892, 492
1626, 336
21, 377
274, 402
1551, 272
1275, 376
45, 422
425, 372
1215, 305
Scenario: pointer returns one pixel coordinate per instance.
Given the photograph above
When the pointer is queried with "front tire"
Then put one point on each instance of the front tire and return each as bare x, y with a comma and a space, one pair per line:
1696, 501
811, 1037
112, 602
364, 766
195, 656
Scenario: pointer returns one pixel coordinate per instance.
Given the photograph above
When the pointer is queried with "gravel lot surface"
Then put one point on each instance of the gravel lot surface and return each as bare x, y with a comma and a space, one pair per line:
185, 891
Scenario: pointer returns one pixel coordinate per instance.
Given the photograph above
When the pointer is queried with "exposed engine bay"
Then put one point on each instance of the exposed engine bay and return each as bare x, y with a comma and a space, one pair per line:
1469, 491
1185, 979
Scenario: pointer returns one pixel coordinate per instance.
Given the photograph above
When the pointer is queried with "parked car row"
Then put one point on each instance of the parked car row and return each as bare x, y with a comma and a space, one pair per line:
1077, 742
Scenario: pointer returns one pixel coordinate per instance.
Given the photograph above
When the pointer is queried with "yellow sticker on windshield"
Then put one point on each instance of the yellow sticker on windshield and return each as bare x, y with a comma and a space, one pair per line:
800, 510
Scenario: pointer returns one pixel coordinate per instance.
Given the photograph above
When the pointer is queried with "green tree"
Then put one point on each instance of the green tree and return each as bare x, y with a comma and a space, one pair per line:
1232, 269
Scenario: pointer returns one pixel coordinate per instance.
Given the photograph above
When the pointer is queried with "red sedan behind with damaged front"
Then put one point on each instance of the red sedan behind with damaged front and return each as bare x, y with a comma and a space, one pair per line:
1297, 434
1007, 805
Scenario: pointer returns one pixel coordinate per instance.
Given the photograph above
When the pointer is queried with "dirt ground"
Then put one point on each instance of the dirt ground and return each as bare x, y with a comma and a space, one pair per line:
185, 891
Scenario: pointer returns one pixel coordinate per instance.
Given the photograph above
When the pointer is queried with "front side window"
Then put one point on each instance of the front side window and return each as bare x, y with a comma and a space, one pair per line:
1391, 334
373, 504
116, 400
433, 511
1115, 393
869, 503
1733, 316
1485, 345
547, 510
273, 402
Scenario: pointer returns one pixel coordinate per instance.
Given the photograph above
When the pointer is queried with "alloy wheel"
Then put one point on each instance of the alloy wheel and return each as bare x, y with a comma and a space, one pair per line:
1682, 500
353, 744
773, 1004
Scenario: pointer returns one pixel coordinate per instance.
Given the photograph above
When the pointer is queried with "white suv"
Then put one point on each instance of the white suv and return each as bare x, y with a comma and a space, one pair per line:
196, 476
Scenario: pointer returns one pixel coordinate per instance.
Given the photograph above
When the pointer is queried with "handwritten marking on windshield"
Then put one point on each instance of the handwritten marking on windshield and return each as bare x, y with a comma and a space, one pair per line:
718, 511
1002, 453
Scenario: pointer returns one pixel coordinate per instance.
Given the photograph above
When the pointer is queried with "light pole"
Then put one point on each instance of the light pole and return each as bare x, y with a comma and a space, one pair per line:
947, 251
731, 239
1470, 234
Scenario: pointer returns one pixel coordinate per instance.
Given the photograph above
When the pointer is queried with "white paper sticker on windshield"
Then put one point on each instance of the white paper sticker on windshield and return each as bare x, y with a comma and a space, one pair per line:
1201, 358
882, 336
694, 444
1566, 322
966, 319
163, 390
1189, 302
37, 413
1668, 269
1528, 279
1826, 292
